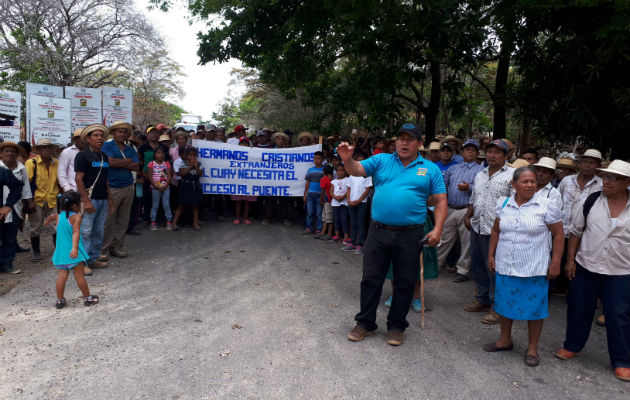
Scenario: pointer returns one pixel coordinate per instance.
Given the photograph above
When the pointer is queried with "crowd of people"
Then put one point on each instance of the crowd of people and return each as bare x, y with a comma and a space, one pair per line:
516, 226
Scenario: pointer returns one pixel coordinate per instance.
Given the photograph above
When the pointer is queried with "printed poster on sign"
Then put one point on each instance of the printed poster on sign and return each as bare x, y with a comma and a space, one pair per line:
10, 107
38, 89
239, 170
86, 106
117, 105
51, 119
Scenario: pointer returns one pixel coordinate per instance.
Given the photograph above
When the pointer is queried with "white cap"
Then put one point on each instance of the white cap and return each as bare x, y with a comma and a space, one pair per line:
617, 167
592, 153
546, 162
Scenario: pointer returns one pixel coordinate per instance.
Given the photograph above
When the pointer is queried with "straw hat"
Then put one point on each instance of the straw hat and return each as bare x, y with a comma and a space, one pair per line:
77, 132
546, 162
121, 125
566, 163
518, 163
305, 133
593, 153
618, 167
281, 134
164, 138
434, 146
19, 149
482, 154
453, 138
94, 127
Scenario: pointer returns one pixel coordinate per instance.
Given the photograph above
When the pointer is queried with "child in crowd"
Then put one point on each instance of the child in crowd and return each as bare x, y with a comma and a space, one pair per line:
339, 203
336, 160
358, 190
160, 174
69, 251
325, 200
189, 169
312, 192
379, 146
241, 202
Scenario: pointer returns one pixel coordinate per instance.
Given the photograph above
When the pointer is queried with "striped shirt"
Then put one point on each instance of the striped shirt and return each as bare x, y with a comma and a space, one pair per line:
573, 197
605, 247
552, 193
464, 172
524, 248
487, 190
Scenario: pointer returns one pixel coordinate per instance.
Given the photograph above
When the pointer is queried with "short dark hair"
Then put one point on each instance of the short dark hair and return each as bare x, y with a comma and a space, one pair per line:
328, 169
159, 148
318, 153
531, 151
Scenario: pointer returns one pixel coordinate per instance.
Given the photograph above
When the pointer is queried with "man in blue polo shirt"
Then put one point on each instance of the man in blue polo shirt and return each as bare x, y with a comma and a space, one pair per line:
122, 160
403, 182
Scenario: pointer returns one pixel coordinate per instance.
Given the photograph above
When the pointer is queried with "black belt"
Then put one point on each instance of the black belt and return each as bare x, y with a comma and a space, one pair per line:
378, 225
458, 208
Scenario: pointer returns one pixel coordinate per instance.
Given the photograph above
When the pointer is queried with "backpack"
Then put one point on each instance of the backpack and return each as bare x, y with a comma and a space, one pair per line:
588, 204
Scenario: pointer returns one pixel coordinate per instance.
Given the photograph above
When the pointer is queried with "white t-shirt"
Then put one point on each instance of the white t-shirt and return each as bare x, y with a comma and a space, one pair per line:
232, 140
177, 165
339, 189
357, 185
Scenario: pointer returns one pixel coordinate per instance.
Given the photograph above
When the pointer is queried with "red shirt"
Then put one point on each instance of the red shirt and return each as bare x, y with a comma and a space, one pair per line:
377, 151
324, 184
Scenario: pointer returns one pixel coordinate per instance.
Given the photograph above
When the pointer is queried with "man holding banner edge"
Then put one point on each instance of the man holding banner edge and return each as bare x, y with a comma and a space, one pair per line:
406, 180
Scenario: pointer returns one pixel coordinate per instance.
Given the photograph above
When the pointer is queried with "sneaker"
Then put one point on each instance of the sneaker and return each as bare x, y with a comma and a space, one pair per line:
388, 302
13, 271
348, 247
61, 303
153, 226
359, 333
98, 264
395, 338
247, 222
491, 318
346, 241
169, 226
307, 232
358, 250
118, 253
90, 300
334, 239
416, 305
236, 221
476, 306
459, 278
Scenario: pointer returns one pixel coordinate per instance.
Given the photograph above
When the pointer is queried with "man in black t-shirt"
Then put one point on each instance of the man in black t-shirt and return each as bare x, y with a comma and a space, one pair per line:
91, 167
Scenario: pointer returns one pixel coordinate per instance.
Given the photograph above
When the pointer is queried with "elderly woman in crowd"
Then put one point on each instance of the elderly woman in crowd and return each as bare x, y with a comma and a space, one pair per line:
519, 256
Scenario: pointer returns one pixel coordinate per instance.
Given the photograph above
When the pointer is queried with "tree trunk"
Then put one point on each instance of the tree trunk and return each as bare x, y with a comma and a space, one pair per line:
432, 110
500, 95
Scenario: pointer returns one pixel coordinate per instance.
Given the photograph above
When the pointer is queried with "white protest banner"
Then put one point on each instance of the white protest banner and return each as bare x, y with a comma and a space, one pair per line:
239, 170
50, 119
38, 89
86, 106
117, 105
10, 105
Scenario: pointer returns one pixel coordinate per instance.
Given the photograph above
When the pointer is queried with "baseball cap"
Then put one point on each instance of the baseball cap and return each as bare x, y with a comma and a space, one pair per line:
500, 144
411, 129
239, 127
446, 146
261, 133
471, 142
161, 127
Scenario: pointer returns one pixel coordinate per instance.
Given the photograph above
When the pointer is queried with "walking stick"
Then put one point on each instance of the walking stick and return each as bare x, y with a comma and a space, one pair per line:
422, 242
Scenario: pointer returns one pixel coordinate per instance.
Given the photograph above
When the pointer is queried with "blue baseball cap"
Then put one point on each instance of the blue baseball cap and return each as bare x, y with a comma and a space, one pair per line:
411, 129
500, 144
471, 142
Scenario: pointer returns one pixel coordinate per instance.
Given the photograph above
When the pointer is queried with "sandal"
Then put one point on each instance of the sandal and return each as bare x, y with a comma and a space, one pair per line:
492, 347
90, 300
61, 303
531, 360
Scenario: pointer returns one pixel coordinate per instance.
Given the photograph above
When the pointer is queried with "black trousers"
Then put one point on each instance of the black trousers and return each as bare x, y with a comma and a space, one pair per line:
402, 249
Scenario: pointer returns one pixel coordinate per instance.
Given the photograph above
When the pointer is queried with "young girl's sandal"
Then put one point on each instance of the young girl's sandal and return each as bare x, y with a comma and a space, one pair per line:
61, 303
90, 300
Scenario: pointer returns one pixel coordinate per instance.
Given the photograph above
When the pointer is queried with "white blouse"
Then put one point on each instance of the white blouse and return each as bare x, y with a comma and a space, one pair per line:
20, 173
524, 248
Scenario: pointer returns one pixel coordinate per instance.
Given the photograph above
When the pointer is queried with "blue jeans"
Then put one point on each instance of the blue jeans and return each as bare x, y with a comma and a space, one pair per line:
614, 291
93, 228
313, 212
158, 196
341, 219
484, 279
357, 224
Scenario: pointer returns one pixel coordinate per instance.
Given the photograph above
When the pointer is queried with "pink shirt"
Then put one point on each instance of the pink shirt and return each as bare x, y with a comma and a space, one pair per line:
160, 173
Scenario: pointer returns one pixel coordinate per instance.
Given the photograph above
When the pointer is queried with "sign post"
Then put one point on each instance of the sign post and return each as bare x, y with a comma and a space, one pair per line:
50, 119
10, 107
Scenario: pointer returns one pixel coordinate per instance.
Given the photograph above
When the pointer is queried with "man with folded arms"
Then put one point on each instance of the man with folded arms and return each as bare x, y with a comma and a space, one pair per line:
403, 182
597, 263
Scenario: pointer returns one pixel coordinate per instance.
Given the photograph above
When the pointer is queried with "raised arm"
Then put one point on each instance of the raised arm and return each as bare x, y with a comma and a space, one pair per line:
353, 167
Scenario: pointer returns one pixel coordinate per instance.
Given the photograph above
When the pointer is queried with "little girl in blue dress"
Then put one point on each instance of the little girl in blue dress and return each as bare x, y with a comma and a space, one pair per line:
69, 251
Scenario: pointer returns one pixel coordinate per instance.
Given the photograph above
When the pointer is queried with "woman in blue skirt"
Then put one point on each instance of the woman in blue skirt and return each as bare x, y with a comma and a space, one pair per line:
523, 261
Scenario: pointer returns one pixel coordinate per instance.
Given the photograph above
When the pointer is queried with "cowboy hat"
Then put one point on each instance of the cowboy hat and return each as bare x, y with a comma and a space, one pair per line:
617, 167
305, 133
19, 149
94, 127
280, 134
77, 133
566, 163
451, 137
546, 162
121, 125
434, 146
518, 163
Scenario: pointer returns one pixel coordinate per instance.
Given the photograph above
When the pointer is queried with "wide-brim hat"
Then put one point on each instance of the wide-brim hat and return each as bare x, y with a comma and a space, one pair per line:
77, 133
617, 167
434, 146
164, 138
448, 138
566, 163
593, 153
121, 125
546, 162
19, 149
43, 143
305, 133
94, 127
518, 163
280, 134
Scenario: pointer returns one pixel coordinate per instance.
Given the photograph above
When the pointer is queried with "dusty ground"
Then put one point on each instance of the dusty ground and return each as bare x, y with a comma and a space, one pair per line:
262, 312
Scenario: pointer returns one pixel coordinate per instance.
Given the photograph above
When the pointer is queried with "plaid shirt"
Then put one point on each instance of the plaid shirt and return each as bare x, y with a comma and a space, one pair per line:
486, 191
